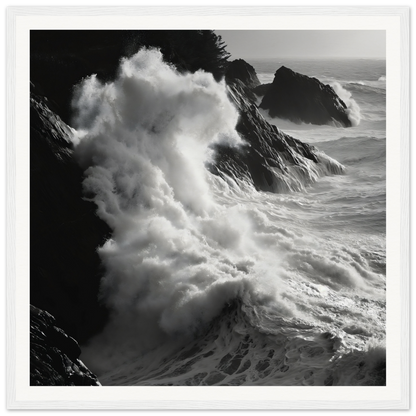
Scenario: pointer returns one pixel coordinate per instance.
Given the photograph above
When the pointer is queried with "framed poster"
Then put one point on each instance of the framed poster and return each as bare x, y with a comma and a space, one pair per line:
213, 203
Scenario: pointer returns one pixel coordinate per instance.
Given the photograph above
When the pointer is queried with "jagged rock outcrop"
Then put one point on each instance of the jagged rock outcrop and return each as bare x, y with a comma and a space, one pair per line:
240, 69
299, 98
271, 160
246, 74
54, 356
65, 269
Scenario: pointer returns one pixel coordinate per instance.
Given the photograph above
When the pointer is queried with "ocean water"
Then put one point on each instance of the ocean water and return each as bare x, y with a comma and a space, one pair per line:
209, 281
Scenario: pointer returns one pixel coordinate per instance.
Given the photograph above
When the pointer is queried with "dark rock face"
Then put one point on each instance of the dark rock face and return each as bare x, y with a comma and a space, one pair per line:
54, 356
298, 98
64, 229
240, 69
261, 89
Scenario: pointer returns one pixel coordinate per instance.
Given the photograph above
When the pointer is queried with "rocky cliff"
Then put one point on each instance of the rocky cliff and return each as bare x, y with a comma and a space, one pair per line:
65, 231
299, 98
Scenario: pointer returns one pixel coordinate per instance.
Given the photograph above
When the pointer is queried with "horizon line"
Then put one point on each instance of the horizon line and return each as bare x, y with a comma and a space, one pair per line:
312, 57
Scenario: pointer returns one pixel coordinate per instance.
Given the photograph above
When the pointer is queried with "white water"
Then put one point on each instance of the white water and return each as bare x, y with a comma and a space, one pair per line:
186, 243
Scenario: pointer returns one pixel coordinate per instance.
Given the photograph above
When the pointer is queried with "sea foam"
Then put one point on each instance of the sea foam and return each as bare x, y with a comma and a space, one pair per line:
175, 256
353, 109
186, 243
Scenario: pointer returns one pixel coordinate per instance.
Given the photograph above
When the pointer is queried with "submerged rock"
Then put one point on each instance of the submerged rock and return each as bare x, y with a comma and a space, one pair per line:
54, 356
299, 98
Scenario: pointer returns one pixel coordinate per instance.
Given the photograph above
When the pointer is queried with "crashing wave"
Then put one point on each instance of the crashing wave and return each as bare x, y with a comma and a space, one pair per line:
177, 254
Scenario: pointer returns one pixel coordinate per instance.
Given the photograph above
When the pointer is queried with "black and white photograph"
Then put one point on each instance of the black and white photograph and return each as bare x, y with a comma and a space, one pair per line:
216, 209
208, 208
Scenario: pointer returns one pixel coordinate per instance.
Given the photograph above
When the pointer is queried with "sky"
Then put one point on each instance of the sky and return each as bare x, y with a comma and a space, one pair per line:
247, 44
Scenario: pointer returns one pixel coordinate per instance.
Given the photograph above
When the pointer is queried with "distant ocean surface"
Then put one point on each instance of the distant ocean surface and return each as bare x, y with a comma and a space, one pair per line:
215, 283
358, 199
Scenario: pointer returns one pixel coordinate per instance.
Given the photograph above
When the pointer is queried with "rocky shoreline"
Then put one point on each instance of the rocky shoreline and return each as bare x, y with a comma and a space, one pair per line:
65, 231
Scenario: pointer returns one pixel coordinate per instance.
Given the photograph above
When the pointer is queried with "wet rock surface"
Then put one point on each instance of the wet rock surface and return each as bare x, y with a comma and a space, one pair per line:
270, 159
54, 356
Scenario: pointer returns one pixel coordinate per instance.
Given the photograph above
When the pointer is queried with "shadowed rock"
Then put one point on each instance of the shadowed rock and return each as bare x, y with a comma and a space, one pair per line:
261, 89
240, 69
54, 356
299, 98
65, 269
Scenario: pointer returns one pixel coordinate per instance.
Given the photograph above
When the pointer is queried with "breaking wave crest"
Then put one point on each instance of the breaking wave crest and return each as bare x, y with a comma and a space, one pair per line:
175, 256
353, 109
185, 243
247, 346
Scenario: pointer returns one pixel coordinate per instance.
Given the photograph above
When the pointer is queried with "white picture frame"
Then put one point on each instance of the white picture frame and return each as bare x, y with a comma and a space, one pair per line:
20, 395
